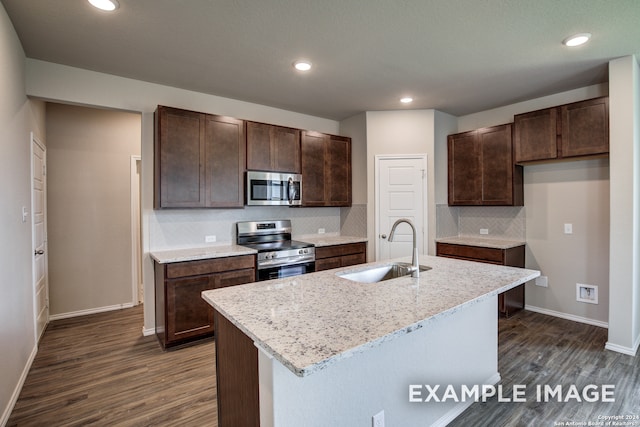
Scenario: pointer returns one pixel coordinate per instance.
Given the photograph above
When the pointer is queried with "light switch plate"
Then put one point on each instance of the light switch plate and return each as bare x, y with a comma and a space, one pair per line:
568, 228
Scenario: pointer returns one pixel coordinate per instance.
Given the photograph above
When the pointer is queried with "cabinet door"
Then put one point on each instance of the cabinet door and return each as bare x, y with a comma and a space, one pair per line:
285, 150
585, 128
313, 159
188, 315
465, 180
339, 171
258, 146
179, 174
496, 155
224, 161
535, 135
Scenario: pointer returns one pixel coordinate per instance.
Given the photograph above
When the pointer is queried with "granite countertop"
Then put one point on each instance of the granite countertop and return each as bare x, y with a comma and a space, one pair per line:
484, 242
220, 251
193, 254
319, 240
311, 321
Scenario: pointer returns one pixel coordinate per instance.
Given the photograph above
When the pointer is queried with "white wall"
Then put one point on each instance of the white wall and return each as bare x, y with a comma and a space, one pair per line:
400, 132
554, 194
624, 276
18, 116
89, 207
65, 84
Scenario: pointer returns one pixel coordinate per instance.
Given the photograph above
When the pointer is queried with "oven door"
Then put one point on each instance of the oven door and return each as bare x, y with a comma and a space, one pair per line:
282, 271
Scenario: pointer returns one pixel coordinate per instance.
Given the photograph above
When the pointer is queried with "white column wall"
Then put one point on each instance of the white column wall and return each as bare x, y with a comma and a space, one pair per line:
624, 271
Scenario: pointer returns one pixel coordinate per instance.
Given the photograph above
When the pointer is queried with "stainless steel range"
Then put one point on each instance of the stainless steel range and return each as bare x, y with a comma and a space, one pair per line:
278, 255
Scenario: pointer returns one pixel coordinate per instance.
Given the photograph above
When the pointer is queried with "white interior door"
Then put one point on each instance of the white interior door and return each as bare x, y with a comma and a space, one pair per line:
401, 193
39, 227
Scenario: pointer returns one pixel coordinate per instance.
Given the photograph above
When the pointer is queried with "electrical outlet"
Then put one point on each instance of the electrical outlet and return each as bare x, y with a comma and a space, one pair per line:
542, 281
484, 231
568, 229
210, 238
378, 419
320, 230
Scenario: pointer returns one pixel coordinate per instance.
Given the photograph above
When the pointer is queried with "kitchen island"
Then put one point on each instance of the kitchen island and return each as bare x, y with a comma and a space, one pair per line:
320, 349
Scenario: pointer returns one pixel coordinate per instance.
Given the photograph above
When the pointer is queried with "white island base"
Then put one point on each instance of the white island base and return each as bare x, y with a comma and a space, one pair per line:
455, 348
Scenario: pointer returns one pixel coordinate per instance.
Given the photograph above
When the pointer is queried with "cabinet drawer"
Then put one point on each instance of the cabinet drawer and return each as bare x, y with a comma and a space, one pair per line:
207, 266
231, 278
489, 255
340, 250
327, 263
354, 259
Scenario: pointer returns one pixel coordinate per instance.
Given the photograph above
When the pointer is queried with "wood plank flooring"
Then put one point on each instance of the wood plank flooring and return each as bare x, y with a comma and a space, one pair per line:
534, 349
99, 371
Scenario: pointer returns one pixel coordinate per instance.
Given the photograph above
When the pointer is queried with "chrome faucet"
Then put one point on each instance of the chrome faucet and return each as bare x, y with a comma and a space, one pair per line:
415, 268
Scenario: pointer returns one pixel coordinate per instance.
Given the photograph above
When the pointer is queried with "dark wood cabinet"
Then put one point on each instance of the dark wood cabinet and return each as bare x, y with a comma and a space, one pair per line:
481, 168
579, 129
326, 169
181, 313
335, 256
272, 148
509, 301
199, 160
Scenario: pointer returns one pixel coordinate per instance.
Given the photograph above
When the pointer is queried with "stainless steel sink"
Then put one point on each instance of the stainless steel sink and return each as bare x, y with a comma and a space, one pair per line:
381, 272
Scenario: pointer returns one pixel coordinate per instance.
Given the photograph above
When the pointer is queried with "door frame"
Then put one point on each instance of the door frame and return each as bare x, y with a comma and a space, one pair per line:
36, 140
136, 228
422, 249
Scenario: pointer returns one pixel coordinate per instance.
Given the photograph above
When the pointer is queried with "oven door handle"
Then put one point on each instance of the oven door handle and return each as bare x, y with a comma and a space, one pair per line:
302, 259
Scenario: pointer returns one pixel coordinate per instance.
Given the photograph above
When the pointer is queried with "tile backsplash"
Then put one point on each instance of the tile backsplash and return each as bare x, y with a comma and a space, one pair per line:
504, 222
185, 228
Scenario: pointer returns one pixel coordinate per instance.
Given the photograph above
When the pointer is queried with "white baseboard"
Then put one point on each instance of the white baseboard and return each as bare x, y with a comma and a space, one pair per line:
621, 349
18, 389
89, 311
460, 408
148, 331
567, 316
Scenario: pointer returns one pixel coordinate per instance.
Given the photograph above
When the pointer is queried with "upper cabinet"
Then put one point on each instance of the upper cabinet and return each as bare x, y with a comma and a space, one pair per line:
481, 168
199, 160
326, 169
273, 148
573, 130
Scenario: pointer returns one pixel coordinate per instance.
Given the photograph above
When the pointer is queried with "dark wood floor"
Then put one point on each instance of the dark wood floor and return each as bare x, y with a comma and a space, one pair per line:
99, 371
534, 349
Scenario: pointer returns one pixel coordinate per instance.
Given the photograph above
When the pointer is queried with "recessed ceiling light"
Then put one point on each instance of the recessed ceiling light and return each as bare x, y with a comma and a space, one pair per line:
108, 5
302, 65
406, 100
576, 39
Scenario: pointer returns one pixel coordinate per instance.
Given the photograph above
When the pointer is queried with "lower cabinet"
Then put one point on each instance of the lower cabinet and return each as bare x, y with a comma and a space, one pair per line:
508, 302
336, 256
181, 313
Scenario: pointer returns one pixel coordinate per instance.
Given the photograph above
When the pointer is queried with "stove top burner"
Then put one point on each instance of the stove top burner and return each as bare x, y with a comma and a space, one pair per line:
272, 240
282, 245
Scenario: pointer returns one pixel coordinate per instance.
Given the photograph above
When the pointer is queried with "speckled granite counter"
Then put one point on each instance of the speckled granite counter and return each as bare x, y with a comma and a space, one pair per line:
311, 321
193, 254
319, 240
483, 242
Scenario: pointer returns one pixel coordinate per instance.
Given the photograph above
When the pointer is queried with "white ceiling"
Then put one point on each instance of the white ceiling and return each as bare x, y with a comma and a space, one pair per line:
457, 56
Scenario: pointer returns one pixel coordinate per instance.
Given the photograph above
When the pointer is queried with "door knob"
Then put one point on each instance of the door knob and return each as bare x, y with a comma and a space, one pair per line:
39, 252
383, 236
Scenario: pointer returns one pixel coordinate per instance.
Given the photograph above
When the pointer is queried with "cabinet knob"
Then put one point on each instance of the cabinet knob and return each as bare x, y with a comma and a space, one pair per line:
383, 236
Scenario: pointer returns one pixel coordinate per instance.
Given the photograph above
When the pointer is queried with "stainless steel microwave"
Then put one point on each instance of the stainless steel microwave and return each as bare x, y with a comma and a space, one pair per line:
272, 188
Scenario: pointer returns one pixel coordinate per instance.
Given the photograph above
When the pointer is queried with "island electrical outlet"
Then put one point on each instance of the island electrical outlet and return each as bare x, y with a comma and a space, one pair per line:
378, 419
